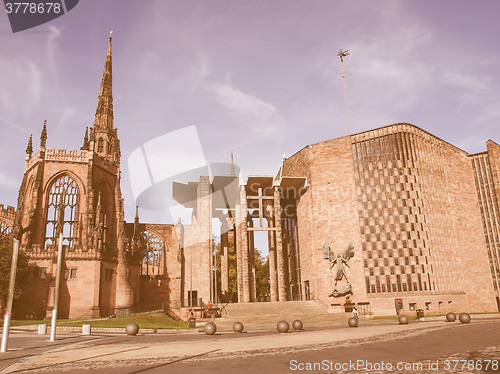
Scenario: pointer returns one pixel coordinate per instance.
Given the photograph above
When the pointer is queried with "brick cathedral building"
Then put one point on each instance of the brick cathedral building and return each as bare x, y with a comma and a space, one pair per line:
422, 215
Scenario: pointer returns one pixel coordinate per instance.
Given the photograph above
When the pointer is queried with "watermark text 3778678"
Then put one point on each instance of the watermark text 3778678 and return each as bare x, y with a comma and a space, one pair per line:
28, 14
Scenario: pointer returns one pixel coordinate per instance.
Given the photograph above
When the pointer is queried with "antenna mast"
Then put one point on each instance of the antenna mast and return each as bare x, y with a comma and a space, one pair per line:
342, 54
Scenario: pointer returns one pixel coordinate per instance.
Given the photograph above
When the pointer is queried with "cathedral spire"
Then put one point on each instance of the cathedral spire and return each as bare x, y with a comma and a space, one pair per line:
103, 137
104, 111
43, 137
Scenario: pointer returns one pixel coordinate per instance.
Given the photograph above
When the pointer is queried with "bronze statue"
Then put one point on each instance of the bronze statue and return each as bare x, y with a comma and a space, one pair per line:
339, 261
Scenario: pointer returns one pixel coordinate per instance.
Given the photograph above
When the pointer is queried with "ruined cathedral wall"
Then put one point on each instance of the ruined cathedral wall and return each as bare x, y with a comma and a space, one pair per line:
76, 295
107, 302
8, 215
195, 248
169, 285
105, 178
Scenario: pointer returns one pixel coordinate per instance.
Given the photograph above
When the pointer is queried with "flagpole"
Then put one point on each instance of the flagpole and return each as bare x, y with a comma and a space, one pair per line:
10, 297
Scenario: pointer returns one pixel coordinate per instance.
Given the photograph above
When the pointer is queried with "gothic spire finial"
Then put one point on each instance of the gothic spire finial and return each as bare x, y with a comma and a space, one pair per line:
29, 148
136, 222
43, 137
86, 140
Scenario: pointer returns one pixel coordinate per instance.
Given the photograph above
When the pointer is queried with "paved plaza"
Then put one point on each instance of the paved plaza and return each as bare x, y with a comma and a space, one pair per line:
372, 347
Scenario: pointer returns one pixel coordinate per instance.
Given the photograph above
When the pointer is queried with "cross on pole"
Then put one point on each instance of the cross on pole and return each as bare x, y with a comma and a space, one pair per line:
343, 54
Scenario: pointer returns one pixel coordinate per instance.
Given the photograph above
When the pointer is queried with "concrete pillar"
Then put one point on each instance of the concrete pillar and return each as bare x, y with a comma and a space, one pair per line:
239, 272
224, 259
244, 246
272, 255
280, 261
251, 260
204, 252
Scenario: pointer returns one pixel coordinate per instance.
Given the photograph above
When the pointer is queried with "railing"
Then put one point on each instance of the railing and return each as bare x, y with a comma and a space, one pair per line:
320, 302
139, 309
223, 311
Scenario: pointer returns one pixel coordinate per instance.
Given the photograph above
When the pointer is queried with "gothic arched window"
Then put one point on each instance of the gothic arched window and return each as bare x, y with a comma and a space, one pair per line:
62, 211
153, 260
5, 231
100, 145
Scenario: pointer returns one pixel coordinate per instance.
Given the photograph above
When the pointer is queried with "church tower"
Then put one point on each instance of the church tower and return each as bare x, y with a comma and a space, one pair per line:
78, 193
103, 137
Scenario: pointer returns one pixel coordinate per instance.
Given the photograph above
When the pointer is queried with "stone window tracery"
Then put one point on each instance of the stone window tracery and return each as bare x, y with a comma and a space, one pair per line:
5, 231
153, 254
62, 211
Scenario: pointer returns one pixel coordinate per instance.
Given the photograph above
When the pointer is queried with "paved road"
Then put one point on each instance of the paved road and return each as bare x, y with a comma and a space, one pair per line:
422, 347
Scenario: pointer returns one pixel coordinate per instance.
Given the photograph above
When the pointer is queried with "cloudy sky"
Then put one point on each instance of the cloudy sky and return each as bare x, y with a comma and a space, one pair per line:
260, 78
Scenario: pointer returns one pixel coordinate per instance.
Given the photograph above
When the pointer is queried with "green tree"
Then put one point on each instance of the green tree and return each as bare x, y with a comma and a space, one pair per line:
261, 272
262, 286
233, 284
21, 274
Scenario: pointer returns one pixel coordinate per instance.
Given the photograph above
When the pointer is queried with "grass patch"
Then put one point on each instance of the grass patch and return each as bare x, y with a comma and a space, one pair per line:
27, 322
145, 321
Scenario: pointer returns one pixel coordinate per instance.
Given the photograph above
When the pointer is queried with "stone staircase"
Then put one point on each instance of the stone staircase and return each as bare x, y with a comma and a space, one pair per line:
263, 315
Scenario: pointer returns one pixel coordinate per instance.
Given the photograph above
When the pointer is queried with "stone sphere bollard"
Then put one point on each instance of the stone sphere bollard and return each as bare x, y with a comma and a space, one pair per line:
297, 324
238, 327
282, 326
210, 328
464, 318
451, 317
353, 322
132, 329
403, 320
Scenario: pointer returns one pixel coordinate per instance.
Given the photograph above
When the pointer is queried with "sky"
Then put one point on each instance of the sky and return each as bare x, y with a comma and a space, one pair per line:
259, 78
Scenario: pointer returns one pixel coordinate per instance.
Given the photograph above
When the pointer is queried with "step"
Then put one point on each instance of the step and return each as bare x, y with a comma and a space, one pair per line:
268, 314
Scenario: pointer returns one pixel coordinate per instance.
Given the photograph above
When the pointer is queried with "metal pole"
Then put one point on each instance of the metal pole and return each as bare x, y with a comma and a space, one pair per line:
10, 297
56, 291
215, 272
191, 283
342, 54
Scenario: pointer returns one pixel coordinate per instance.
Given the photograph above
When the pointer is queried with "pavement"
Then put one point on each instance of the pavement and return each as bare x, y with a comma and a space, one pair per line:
372, 347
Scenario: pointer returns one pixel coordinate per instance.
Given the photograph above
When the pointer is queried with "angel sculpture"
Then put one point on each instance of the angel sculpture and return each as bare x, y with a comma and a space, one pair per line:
339, 261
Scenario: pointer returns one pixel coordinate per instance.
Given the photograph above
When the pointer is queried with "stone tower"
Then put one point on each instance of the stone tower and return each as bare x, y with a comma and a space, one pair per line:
78, 193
